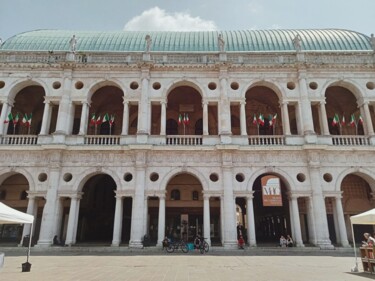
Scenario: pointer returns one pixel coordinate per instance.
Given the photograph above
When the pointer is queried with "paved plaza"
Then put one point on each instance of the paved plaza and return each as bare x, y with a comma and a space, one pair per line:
249, 264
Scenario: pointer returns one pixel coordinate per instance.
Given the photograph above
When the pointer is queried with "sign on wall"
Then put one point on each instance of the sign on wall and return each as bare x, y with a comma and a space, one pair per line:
271, 191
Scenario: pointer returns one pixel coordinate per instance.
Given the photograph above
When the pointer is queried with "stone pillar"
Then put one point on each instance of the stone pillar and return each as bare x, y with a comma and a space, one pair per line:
311, 221
230, 230
3, 116
30, 210
48, 225
308, 126
367, 119
296, 221
71, 221
205, 118
76, 221
222, 219
285, 117
319, 209
84, 118
206, 218
224, 108
71, 118
161, 222
59, 215
143, 106
243, 118
163, 118
46, 117
323, 118
63, 115
137, 224
341, 222
299, 122
251, 236
117, 226
125, 118
145, 216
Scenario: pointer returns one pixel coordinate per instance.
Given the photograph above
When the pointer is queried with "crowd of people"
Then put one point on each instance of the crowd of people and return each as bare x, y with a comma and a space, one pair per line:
286, 242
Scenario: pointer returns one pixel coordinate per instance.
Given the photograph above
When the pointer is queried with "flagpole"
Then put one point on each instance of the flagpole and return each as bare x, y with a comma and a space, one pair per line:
110, 129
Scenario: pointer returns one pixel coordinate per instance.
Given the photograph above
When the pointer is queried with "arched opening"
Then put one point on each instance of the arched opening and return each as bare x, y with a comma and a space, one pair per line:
14, 194
172, 127
27, 112
107, 105
263, 103
342, 103
271, 216
357, 198
97, 209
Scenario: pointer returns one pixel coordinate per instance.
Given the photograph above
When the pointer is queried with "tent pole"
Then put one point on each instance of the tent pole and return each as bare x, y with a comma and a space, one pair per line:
31, 236
355, 268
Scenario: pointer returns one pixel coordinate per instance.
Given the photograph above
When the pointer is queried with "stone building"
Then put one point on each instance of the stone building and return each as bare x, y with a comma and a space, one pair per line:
109, 136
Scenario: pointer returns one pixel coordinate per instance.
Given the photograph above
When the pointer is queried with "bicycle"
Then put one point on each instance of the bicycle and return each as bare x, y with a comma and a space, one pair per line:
172, 246
201, 244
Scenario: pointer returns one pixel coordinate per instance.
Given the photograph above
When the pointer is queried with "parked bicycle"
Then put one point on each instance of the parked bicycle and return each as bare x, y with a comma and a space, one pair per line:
172, 246
201, 244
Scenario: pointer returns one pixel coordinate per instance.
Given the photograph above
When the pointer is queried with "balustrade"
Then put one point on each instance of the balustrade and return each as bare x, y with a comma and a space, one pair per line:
266, 140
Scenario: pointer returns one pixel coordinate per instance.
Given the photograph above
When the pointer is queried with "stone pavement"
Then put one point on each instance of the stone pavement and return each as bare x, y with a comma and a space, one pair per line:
106, 263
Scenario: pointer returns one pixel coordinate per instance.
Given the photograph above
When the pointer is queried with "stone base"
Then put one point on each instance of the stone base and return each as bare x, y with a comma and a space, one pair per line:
43, 244
59, 137
230, 245
325, 245
142, 138
225, 139
135, 244
311, 138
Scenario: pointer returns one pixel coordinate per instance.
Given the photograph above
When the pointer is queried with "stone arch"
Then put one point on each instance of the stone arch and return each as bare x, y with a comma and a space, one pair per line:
103, 83
268, 84
183, 82
287, 180
350, 85
17, 86
361, 172
6, 173
193, 172
86, 175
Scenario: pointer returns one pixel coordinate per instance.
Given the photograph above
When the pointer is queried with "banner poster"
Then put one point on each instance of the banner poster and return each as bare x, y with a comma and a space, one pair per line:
271, 191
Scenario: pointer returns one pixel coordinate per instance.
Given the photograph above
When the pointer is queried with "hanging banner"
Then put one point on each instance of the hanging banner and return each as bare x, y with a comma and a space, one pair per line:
271, 191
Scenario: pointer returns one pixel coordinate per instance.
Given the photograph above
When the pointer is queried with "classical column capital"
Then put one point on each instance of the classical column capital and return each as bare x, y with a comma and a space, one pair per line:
163, 102
284, 102
243, 102
204, 102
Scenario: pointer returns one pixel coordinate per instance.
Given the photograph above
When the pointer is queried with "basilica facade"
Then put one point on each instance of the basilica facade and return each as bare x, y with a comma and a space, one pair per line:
108, 137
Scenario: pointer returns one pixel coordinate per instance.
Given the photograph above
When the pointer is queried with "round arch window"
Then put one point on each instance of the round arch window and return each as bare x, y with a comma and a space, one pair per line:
154, 177
79, 85
42, 177
327, 177
67, 177
214, 177
128, 177
240, 177
2, 84
301, 177
134, 85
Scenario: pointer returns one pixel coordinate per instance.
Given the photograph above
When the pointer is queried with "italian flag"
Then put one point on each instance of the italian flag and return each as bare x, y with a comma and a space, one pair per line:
112, 120
335, 120
272, 119
343, 121
186, 119
255, 122
179, 119
9, 118
93, 119
261, 119
16, 119
98, 121
106, 117
26, 120
352, 121
360, 119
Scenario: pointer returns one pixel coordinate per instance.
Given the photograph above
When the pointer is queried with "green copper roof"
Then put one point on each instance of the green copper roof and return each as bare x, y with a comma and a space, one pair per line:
197, 41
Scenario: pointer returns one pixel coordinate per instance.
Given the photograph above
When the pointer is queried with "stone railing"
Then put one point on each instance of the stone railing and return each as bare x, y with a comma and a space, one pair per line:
102, 140
184, 140
350, 140
267, 140
19, 140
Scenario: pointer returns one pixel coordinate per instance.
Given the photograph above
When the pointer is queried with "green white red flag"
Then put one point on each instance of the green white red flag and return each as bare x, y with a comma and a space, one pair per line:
272, 119
352, 121
186, 119
112, 120
261, 119
26, 120
179, 119
335, 120
93, 119
360, 119
16, 119
255, 121
343, 120
9, 118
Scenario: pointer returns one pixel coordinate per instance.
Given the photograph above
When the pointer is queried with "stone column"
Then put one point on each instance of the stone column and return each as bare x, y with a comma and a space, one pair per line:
48, 225
30, 210
137, 224
341, 222
76, 221
367, 118
323, 118
206, 218
251, 236
285, 118
205, 118
125, 118
296, 221
222, 219
71, 118
145, 216
224, 108
308, 126
72, 220
84, 118
143, 106
243, 118
311, 221
46, 117
161, 222
319, 209
117, 226
230, 230
163, 118
63, 115
149, 114
3, 116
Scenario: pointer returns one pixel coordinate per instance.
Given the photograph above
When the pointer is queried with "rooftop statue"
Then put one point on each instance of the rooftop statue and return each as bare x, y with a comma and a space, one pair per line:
148, 43
73, 43
372, 41
221, 43
297, 42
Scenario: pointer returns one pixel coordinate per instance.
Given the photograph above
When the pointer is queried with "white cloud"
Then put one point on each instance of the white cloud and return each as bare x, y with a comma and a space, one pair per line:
156, 19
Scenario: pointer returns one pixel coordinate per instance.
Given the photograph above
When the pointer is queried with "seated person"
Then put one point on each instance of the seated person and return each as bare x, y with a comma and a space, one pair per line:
289, 241
57, 242
197, 241
282, 241
241, 242
370, 241
165, 242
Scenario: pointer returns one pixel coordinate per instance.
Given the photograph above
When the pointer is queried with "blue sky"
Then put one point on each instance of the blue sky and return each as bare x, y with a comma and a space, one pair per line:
18, 16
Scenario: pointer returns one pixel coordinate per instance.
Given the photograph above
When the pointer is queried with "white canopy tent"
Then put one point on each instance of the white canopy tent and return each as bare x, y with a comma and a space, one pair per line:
363, 218
9, 215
